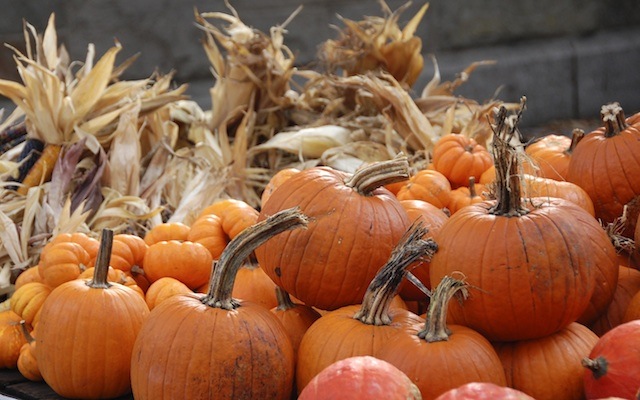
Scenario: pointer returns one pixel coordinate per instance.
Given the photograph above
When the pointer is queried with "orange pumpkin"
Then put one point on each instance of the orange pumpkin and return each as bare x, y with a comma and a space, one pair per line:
27, 361
544, 187
354, 226
276, 180
11, 339
295, 317
207, 230
438, 357
253, 284
551, 154
236, 215
466, 195
427, 185
64, 262
31, 274
27, 301
433, 218
460, 157
521, 257
186, 261
362, 330
128, 252
167, 231
628, 286
108, 314
606, 166
193, 343
162, 289
560, 354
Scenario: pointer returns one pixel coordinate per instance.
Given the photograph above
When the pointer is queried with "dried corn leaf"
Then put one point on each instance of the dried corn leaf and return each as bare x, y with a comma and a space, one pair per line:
124, 157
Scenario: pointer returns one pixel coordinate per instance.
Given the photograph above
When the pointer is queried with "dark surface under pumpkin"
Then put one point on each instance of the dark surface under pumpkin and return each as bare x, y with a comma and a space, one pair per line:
14, 385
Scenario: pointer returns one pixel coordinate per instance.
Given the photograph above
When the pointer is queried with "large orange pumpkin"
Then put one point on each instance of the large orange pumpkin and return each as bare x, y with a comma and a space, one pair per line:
605, 164
354, 226
211, 346
521, 259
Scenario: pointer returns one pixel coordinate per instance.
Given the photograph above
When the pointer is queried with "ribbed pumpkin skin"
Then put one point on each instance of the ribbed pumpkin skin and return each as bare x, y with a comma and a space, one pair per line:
608, 169
533, 274
85, 338
211, 353
350, 236
338, 335
550, 155
549, 368
437, 367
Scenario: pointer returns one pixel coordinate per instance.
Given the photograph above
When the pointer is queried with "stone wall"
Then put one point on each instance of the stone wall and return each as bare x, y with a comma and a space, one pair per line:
568, 56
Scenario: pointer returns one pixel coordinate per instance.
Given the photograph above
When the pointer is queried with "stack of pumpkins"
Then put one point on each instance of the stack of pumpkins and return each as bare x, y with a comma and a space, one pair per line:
528, 295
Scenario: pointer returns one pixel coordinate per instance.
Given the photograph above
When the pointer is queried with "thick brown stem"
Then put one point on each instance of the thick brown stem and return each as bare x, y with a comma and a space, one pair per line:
101, 267
238, 249
576, 136
284, 300
508, 166
25, 332
372, 176
435, 329
384, 286
613, 119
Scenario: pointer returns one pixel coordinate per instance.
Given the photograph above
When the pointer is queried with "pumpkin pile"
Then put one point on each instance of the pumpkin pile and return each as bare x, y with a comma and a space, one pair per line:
314, 233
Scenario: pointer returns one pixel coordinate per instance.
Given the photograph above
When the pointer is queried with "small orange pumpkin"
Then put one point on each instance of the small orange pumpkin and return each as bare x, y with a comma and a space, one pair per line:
236, 215
427, 185
27, 301
466, 195
188, 262
552, 154
162, 289
27, 361
459, 157
64, 262
276, 180
167, 231
11, 339
207, 230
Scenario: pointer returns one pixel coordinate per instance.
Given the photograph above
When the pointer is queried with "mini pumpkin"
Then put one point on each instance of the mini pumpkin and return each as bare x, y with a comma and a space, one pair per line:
459, 157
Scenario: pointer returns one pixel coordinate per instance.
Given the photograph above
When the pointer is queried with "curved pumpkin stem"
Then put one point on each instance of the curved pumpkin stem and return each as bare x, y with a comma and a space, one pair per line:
384, 286
241, 247
101, 269
372, 176
508, 166
435, 329
613, 117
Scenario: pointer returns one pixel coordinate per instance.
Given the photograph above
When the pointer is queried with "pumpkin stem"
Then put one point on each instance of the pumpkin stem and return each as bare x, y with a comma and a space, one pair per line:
598, 366
613, 117
472, 187
508, 166
384, 286
25, 332
101, 267
239, 248
284, 300
576, 136
372, 176
435, 329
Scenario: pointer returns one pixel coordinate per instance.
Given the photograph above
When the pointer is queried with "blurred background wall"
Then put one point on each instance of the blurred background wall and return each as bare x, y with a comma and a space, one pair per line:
567, 56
